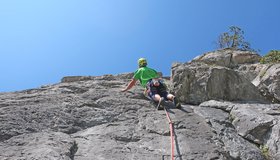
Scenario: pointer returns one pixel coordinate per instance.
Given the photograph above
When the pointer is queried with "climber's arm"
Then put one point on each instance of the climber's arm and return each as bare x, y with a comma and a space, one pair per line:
130, 85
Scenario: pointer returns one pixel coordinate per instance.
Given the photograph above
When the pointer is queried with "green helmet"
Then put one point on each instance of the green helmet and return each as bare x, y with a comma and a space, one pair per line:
142, 62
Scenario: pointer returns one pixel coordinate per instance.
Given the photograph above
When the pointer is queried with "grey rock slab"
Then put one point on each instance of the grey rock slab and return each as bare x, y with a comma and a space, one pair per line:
89, 118
268, 81
272, 141
39, 146
251, 123
233, 144
193, 136
194, 83
125, 140
228, 57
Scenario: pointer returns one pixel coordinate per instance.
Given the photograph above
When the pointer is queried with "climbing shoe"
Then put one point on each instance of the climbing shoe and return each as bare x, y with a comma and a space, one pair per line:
159, 106
176, 102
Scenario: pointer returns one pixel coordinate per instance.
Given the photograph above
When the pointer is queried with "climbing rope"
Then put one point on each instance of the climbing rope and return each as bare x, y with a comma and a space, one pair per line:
171, 133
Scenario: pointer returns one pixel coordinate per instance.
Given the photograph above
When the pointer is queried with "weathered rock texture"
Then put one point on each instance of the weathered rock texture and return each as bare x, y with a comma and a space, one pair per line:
226, 75
268, 81
198, 82
228, 58
245, 126
88, 118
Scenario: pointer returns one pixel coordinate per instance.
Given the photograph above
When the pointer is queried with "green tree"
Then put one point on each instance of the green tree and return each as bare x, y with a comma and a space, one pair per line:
271, 57
233, 39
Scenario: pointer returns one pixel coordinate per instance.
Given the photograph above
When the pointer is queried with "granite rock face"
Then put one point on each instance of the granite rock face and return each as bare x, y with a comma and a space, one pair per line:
195, 83
230, 75
228, 58
268, 81
248, 127
88, 117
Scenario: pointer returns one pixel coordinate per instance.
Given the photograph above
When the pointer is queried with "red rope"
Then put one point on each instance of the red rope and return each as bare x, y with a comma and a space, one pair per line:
171, 133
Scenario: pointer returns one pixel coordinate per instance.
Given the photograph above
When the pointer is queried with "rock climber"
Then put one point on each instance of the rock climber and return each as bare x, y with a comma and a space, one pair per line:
154, 86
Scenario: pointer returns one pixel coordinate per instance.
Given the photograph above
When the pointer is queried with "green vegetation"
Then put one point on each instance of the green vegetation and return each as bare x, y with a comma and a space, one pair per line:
233, 39
262, 73
265, 151
271, 57
231, 117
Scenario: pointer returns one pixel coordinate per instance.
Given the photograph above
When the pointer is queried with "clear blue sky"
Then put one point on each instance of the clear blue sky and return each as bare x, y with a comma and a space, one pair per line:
42, 41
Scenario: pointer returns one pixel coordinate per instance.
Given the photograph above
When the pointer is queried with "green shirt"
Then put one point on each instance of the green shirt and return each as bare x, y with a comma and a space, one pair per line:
144, 74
